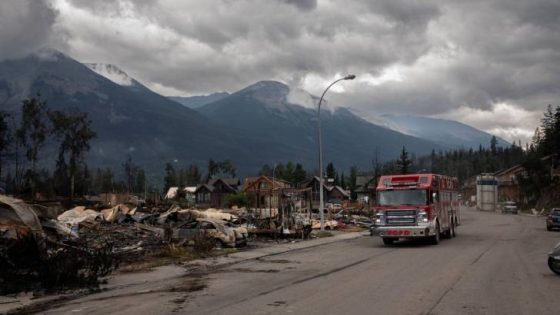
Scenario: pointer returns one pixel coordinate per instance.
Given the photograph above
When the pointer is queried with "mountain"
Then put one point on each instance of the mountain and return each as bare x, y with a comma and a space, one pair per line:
445, 132
198, 101
118, 76
266, 109
129, 119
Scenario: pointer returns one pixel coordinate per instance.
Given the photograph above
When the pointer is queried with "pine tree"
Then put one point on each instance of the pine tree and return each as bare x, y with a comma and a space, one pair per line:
404, 162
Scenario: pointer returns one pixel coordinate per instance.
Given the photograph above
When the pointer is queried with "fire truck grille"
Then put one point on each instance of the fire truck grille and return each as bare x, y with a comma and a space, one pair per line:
401, 217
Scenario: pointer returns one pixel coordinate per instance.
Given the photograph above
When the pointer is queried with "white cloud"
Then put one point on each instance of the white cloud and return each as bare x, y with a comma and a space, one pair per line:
508, 121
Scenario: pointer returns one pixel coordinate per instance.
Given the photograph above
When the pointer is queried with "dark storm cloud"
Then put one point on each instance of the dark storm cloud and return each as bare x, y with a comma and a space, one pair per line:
25, 27
482, 58
303, 4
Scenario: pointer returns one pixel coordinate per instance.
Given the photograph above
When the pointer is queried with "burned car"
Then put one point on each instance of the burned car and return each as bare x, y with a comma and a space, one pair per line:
224, 233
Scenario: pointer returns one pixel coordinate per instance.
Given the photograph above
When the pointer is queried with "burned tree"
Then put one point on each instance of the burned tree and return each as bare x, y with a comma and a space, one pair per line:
73, 130
5, 137
33, 132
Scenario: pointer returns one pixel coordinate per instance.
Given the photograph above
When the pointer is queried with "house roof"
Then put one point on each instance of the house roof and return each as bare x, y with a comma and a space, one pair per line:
190, 189
317, 179
204, 186
171, 192
363, 180
250, 182
233, 182
342, 191
514, 169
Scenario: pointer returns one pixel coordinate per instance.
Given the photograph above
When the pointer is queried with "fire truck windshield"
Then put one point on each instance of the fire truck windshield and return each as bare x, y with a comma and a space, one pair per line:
401, 197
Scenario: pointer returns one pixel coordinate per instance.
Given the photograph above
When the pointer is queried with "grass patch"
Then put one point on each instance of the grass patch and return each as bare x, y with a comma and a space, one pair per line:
171, 254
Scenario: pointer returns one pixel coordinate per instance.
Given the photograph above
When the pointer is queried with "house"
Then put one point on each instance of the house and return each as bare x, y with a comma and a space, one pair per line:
508, 183
337, 194
365, 187
266, 190
334, 194
214, 193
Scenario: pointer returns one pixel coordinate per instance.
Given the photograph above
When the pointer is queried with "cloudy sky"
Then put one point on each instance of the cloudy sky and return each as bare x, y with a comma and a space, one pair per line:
493, 64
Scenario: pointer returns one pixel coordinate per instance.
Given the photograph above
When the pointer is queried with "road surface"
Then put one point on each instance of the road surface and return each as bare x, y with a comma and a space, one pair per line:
495, 265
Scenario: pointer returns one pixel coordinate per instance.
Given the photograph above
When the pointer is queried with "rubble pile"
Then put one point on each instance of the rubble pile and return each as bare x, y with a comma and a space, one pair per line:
45, 249
39, 253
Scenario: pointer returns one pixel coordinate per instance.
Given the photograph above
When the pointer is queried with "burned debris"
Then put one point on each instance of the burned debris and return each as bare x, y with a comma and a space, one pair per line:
45, 247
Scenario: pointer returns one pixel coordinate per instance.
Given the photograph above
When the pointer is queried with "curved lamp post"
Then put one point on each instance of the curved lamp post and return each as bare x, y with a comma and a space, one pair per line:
321, 205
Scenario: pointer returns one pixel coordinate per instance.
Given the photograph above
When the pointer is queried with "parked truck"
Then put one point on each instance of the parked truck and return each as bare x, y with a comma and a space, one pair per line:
486, 192
416, 206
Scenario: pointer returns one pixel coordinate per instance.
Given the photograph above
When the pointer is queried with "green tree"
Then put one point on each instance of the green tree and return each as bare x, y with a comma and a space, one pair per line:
299, 174
213, 169
72, 128
493, 145
404, 162
352, 182
331, 172
227, 168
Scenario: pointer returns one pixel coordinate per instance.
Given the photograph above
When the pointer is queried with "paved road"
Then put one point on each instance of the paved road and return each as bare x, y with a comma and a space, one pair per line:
496, 265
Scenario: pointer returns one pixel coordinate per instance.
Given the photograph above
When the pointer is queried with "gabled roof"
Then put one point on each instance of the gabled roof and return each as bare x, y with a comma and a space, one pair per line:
316, 179
514, 169
204, 186
250, 182
364, 179
342, 191
233, 182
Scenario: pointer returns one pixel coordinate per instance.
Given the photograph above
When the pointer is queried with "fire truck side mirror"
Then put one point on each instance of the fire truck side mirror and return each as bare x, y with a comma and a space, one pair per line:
434, 197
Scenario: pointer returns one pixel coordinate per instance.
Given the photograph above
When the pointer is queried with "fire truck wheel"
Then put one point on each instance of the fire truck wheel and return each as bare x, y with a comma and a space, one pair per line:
388, 240
434, 240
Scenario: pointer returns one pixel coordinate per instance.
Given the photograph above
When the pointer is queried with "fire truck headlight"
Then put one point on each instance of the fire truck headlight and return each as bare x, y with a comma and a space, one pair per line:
379, 219
422, 216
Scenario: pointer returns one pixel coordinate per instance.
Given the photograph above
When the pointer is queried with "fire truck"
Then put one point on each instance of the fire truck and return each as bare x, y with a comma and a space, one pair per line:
416, 206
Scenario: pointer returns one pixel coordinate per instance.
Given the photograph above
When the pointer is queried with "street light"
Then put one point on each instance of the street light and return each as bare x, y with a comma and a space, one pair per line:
272, 191
321, 205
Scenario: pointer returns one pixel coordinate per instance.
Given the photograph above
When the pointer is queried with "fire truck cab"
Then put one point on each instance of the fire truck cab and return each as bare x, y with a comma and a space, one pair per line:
416, 206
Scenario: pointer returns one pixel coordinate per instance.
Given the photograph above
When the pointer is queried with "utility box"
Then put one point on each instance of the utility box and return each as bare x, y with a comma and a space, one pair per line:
486, 192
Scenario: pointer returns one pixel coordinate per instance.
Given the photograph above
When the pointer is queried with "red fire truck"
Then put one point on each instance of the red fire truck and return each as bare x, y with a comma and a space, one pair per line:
416, 206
